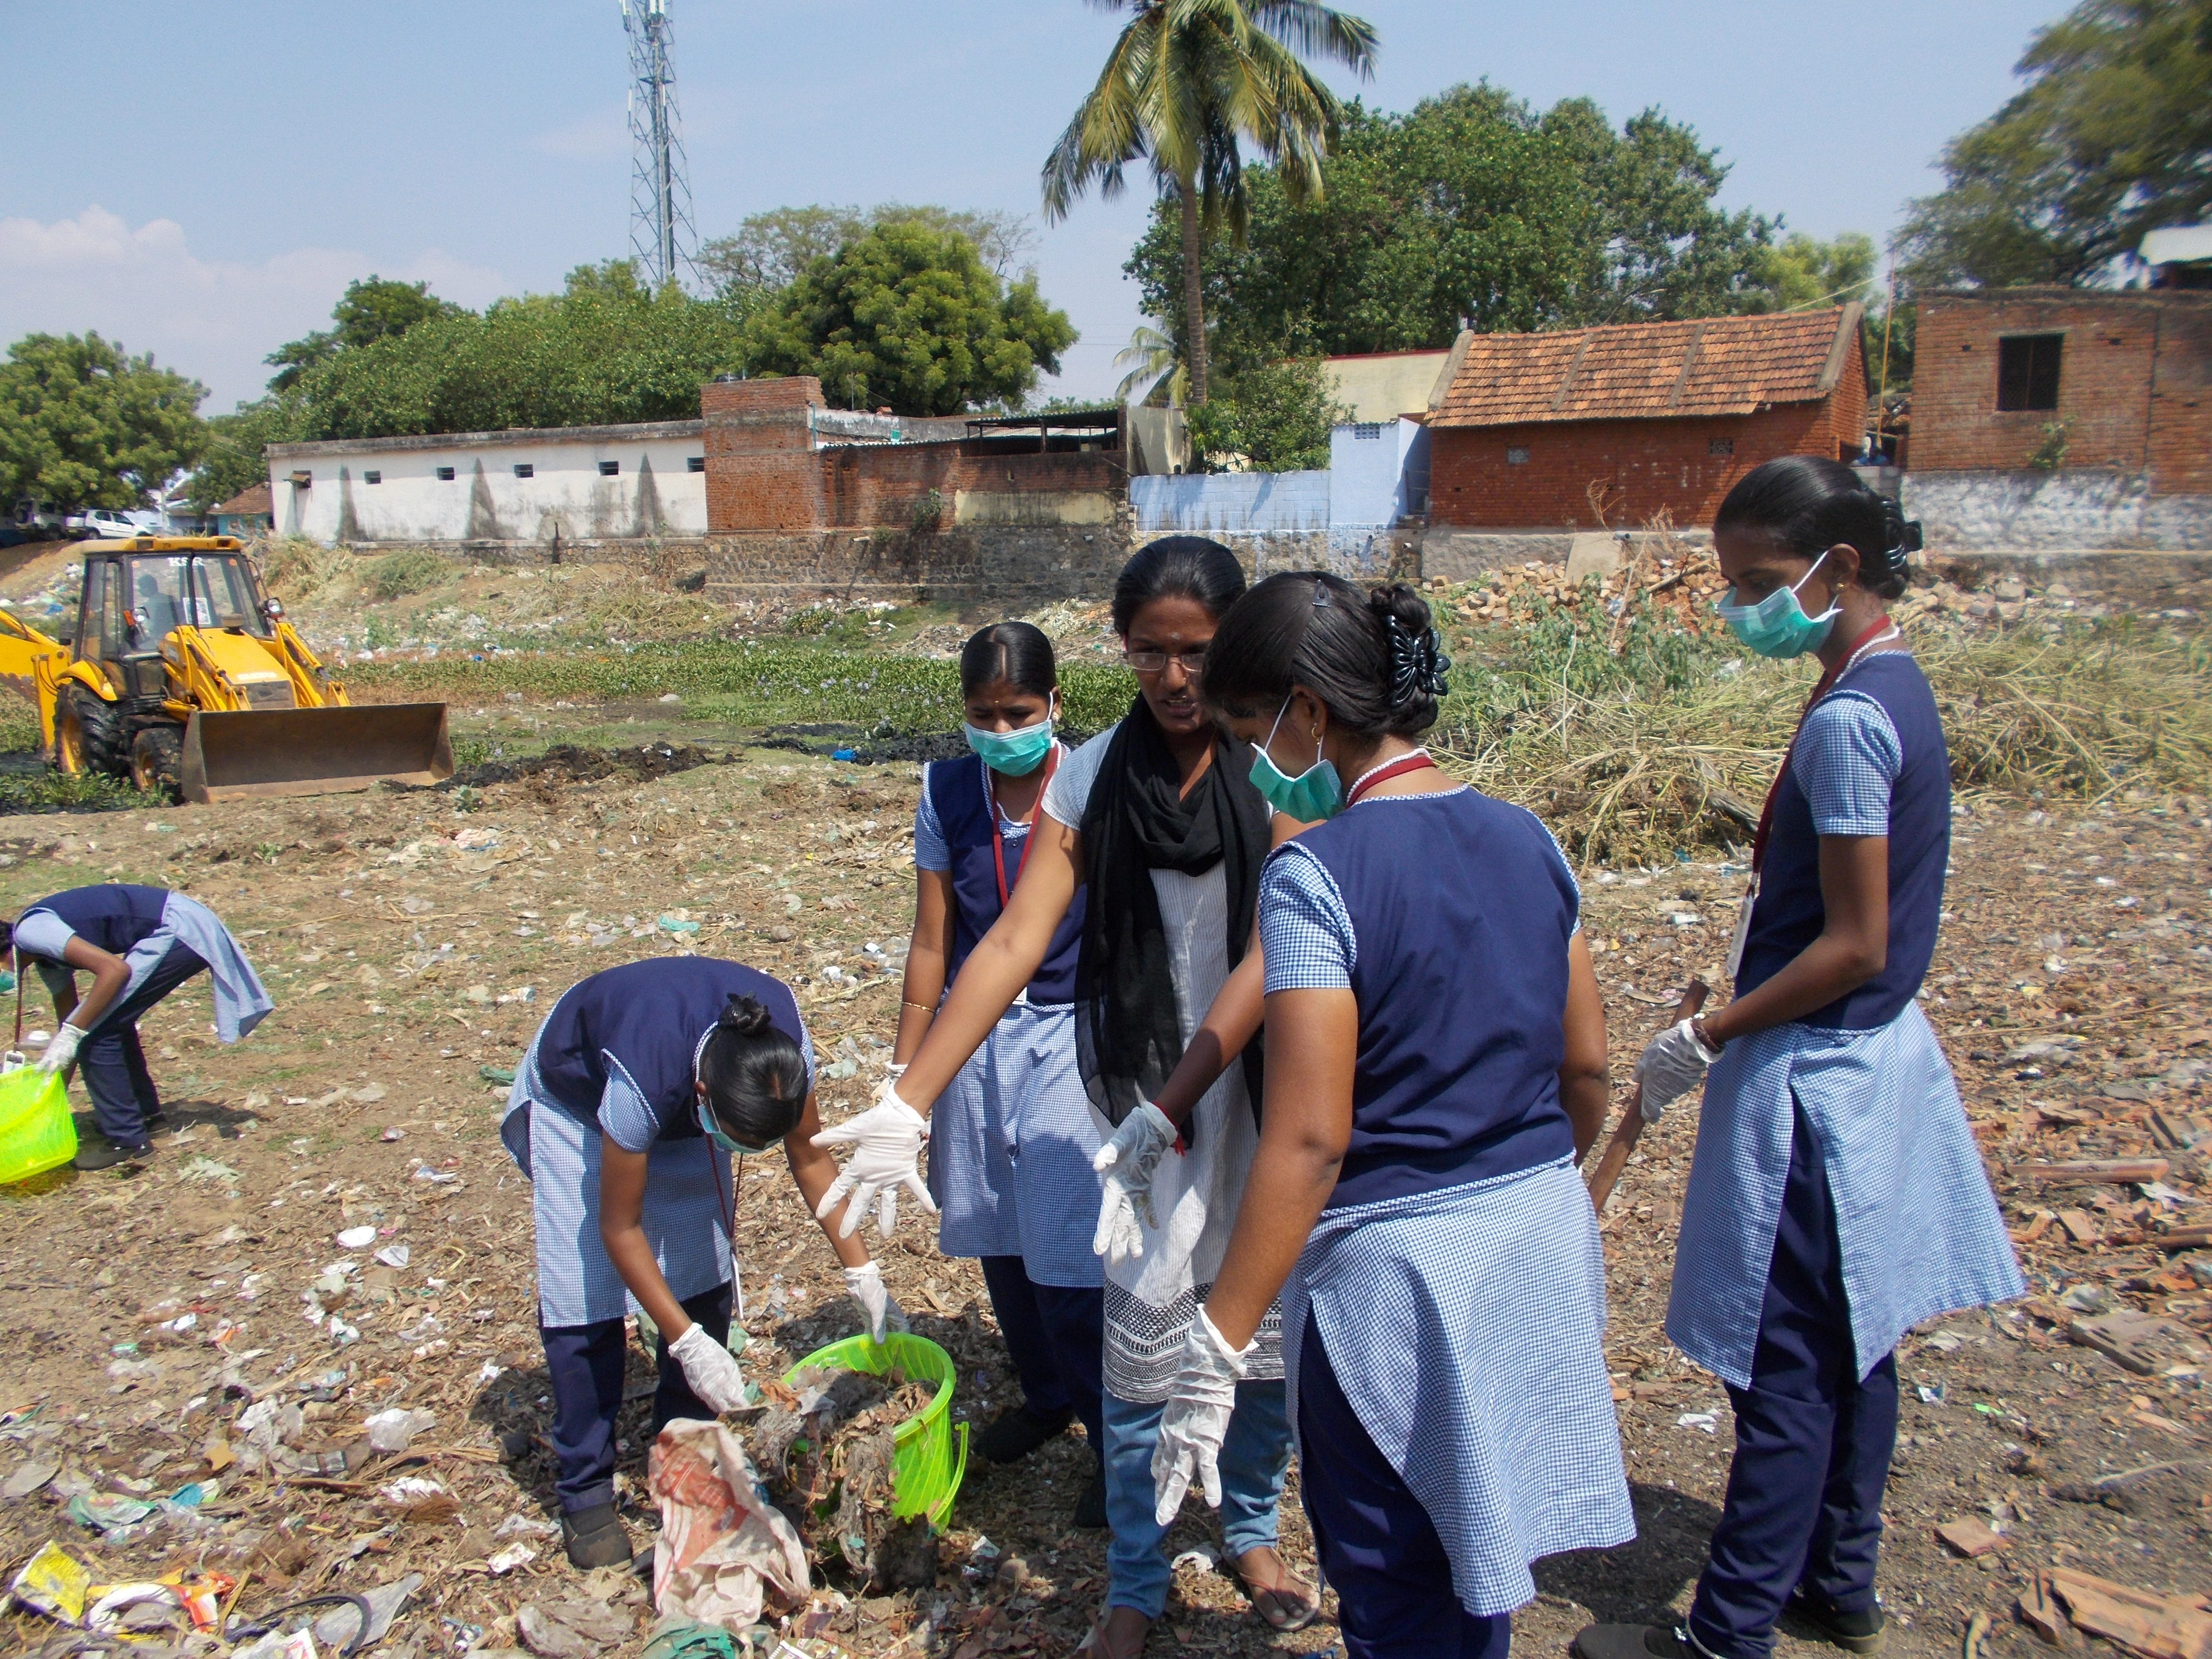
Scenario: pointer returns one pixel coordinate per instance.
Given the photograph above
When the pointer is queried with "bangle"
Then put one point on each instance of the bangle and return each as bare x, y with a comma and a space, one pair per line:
926, 1007
1697, 1031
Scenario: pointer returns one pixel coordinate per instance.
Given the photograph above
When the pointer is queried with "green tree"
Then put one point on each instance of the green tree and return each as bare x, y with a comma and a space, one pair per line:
233, 457
770, 251
1803, 273
1276, 415
907, 317
2111, 137
83, 424
1187, 83
371, 309
1473, 209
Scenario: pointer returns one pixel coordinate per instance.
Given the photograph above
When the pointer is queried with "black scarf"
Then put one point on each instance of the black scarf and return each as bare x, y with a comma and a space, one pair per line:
1127, 1036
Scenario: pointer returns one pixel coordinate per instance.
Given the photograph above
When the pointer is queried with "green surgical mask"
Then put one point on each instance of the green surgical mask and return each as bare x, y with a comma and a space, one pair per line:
1016, 753
1778, 625
1315, 794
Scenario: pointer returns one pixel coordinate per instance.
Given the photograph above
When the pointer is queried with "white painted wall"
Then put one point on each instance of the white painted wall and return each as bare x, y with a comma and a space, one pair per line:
2073, 509
654, 493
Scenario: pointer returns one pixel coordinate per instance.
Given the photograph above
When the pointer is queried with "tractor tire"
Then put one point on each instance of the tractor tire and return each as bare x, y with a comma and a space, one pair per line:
89, 734
157, 759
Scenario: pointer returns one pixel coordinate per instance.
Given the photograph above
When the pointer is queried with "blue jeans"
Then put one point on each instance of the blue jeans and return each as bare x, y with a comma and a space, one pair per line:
1254, 1459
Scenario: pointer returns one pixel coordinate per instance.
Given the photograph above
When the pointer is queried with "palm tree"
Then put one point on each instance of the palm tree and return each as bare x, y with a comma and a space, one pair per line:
1187, 82
1150, 357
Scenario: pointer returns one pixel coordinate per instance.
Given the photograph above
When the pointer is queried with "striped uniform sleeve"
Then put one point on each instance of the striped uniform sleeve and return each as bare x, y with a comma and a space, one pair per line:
1305, 933
1848, 760
930, 850
624, 1112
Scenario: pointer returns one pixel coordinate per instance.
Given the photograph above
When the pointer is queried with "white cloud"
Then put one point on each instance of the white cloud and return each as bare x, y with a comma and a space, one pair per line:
215, 319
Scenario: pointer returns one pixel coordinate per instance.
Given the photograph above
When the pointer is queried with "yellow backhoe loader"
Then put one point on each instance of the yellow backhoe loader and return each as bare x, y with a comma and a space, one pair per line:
183, 675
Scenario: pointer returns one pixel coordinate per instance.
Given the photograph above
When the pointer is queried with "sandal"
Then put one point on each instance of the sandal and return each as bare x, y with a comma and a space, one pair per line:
1288, 1605
1094, 1641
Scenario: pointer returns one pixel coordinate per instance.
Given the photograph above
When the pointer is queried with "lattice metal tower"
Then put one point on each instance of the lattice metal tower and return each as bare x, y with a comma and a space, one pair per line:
660, 229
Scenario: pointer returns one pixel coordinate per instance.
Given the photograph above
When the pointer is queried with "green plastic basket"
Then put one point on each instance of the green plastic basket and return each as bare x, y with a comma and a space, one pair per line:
36, 1131
926, 1472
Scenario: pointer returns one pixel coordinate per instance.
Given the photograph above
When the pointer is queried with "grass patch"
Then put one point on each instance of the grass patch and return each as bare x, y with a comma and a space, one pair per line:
47, 791
748, 682
1670, 744
19, 725
411, 570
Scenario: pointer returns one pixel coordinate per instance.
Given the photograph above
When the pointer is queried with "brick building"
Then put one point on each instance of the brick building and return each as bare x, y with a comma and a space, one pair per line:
1650, 416
2063, 418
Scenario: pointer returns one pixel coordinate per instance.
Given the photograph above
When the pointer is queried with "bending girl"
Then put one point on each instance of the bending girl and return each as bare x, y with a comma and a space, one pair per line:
625, 1109
1436, 1065
1837, 1197
1013, 1137
138, 943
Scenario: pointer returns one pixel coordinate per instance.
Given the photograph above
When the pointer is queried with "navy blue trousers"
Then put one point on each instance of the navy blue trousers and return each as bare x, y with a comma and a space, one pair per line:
1056, 1337
1376, 1544
113, 1065
1811, 1441
584, 1363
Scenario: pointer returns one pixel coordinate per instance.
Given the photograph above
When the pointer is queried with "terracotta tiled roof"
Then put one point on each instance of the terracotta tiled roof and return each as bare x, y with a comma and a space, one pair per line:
1720, 366
254, 498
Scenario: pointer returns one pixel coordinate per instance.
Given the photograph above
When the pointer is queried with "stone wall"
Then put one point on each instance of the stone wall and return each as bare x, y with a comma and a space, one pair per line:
2072, 509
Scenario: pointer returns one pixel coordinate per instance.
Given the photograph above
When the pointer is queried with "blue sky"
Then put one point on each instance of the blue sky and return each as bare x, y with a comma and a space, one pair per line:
201, 180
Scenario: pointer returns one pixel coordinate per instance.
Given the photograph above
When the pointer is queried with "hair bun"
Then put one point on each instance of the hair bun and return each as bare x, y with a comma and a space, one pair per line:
1417, 665
746, 1017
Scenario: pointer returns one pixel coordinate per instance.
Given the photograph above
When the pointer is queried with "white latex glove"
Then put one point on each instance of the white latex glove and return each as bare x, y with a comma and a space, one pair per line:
710, 1369
63, 1049
886, 1140
1196, 1418
1128, 1162
865, 1285
1672, 1064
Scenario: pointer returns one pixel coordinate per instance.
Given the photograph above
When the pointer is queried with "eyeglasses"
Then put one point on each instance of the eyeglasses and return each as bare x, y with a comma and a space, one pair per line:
1152, 662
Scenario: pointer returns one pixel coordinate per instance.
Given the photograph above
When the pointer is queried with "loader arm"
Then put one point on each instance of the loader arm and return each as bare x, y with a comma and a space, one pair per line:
32, 663
312, 685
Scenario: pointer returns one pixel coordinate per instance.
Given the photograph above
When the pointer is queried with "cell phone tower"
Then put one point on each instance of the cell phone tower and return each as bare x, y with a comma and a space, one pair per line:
660, 229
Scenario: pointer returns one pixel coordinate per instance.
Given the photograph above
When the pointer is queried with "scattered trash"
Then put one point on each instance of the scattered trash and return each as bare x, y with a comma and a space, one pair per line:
395, 1430
393, 1255
53, 1581
410, 1489
573, 1629
512, 1556
1705, 1420
1970, 1537
28, 1477
723, 1549
1201, 1559
357, 1238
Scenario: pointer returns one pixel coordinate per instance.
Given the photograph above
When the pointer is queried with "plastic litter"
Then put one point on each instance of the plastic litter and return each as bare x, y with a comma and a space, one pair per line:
357, 1238
28, 1477
395, 1430
512, 1556
393, 1255
53, 1581
341, 1626
723, 1550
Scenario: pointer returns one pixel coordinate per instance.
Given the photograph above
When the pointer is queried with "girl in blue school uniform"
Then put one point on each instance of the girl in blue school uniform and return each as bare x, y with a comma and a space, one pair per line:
1012, 1138
1435, 1067
625, 1109
1837, 1197
138, 943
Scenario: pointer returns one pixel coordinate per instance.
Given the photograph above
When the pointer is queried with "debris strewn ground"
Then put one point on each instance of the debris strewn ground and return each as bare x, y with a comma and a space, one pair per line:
206, 1369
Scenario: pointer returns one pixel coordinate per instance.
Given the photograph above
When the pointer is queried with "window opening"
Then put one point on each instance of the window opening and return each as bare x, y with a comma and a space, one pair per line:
1720, 447
526, 470
2027, 371
372, 477
609, 469
694, 463
445, 474
1516, 456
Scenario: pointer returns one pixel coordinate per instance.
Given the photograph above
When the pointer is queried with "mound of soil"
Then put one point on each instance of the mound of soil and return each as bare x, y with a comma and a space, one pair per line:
566, 762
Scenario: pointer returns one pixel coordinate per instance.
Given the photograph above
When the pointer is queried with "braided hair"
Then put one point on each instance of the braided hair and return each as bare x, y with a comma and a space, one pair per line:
755, 1073
1372, 658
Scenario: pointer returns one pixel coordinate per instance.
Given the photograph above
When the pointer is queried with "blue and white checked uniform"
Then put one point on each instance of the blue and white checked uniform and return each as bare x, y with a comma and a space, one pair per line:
1465, 1323
1011, 1138
687, 1185
1920, 1232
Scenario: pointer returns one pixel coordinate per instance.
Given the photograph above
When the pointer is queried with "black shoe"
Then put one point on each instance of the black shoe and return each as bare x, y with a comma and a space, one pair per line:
1858, 1632
1015, 1433
1635, 1641
594, 1538
101, 1153
1091, 1508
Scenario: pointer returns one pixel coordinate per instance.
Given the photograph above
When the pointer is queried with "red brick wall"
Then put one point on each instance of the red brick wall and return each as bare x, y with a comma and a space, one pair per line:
1649, 464
2132, 383
763, 476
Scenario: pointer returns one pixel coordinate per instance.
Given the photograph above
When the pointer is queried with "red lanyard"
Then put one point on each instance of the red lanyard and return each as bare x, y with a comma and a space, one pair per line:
1820, 690
998, 842
1396, 769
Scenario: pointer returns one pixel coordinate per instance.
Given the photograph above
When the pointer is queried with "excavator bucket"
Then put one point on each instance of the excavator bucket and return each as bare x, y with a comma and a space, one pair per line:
314, 751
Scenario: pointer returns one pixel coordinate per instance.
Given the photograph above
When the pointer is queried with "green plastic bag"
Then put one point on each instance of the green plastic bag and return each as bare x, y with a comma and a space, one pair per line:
36, 1131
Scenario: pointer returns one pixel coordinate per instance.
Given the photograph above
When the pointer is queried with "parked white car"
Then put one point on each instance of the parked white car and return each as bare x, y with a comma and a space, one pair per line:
105, 526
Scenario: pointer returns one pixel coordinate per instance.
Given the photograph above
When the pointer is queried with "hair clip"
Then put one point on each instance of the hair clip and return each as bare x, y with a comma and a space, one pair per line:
1320, 595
